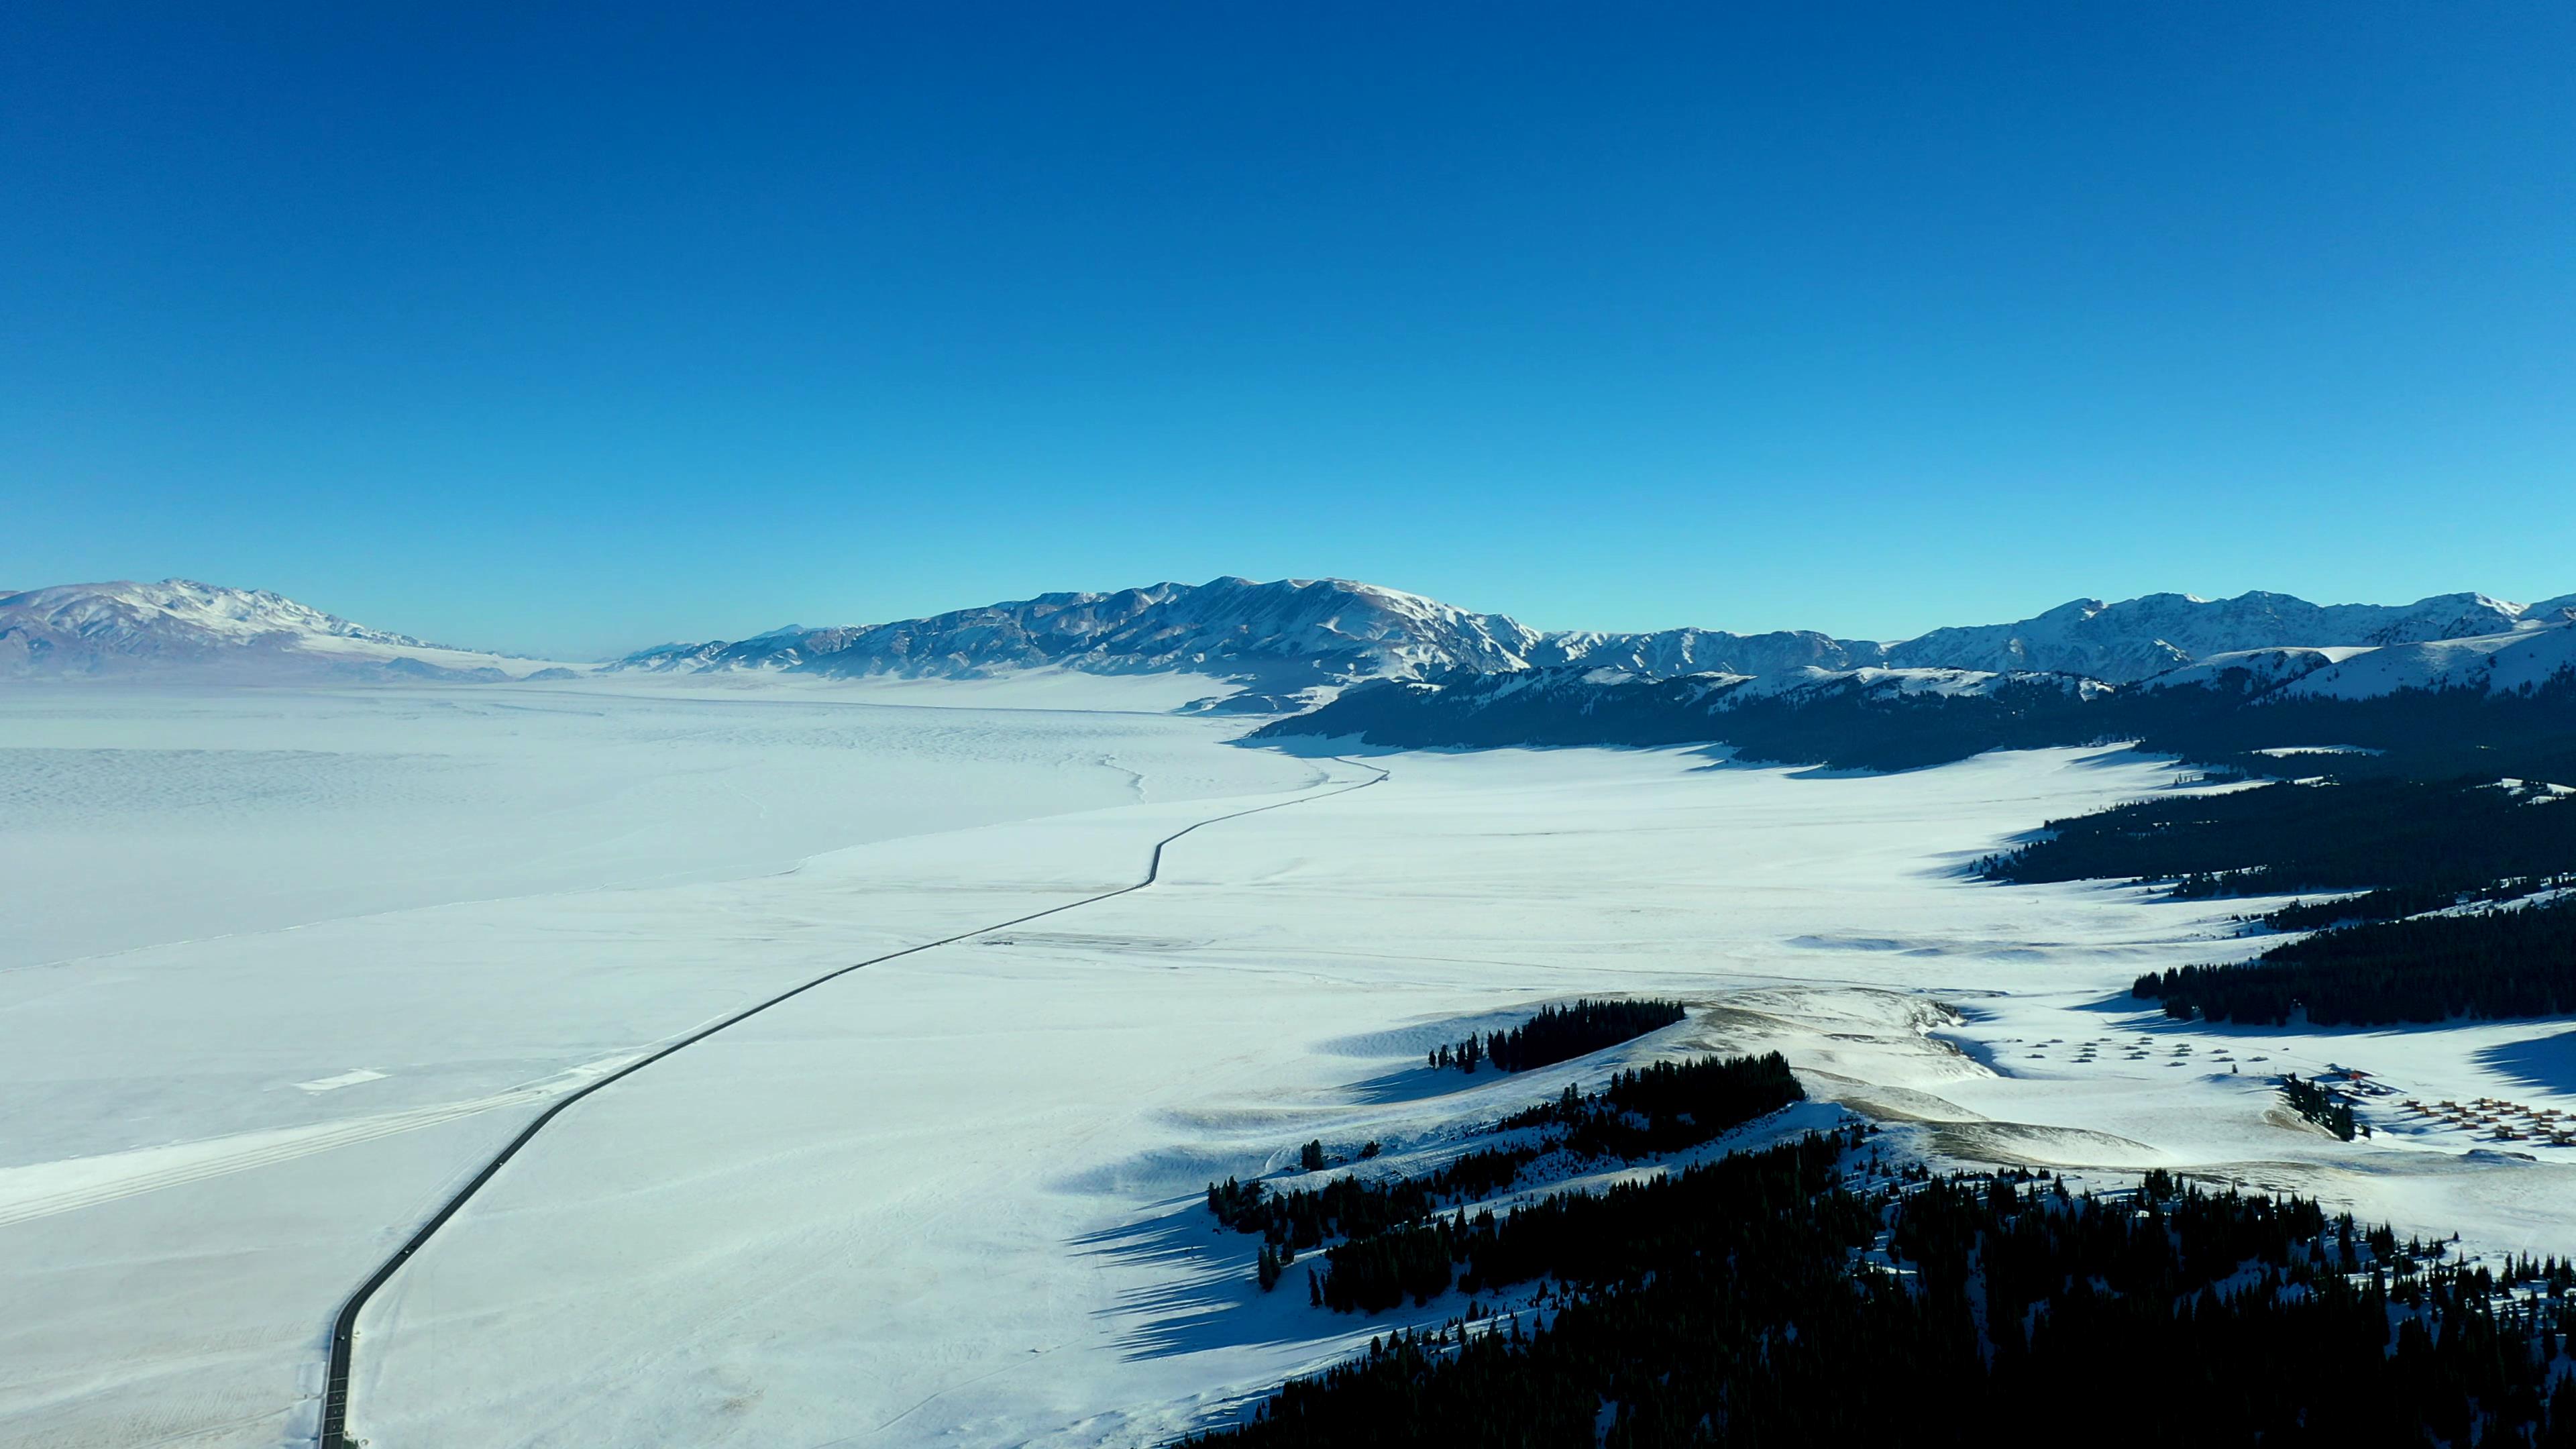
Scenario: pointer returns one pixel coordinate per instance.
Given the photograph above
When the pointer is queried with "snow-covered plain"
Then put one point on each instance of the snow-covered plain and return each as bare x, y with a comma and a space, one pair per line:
227, 909
955, 1198
138, 815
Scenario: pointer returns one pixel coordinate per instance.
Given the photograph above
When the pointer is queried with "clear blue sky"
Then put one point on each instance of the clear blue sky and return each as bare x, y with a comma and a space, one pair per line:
569, 328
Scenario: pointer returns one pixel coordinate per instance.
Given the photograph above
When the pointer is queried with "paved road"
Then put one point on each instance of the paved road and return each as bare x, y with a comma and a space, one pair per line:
344, 1329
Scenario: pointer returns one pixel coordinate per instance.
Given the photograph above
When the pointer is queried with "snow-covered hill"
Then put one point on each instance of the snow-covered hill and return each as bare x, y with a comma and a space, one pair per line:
2506, 663
178, 625
2254, 671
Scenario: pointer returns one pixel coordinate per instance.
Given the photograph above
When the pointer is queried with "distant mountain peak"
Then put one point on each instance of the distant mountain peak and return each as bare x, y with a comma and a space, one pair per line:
127, 627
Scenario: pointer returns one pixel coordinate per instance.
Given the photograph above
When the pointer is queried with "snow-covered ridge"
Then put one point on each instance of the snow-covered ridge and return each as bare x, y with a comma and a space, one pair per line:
242, 634
1299, 639
2505, 663
2257, 669
1286, 634
1876, 683
1297, 633
2147, 636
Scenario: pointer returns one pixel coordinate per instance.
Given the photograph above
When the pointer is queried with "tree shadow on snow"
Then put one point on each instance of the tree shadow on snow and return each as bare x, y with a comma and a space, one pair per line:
2547, 1062
1209, 1299
1420, 1084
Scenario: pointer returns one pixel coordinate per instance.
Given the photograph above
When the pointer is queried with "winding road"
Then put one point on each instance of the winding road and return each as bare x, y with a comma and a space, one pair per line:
344, 1329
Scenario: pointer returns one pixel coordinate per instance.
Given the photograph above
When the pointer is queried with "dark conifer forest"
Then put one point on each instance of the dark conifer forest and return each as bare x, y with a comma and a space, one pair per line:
2501, 962
1775, 1298
2410, 846
1662, 1108
1560, 1033
2417, 734
2322, 1106
1349, 1206
1667, 1106
2418, 842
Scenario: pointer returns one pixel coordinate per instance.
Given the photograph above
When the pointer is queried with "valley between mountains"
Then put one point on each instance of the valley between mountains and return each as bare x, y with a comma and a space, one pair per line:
308, 935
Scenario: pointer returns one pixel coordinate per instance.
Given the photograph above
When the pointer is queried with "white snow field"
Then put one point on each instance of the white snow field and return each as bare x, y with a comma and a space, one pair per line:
205, 1142
138, 816
956, 1198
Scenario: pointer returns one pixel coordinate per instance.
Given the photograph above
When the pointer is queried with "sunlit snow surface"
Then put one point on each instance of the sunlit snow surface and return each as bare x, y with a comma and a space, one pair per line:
955, 1198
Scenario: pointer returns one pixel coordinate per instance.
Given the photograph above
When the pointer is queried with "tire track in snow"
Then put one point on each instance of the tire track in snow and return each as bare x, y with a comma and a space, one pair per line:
334, 1432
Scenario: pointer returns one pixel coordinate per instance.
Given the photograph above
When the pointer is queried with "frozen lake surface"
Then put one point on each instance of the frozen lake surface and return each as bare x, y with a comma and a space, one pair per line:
297, 963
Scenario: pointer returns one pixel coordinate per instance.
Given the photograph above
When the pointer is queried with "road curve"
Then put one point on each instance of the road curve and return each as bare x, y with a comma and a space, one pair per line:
344, 1329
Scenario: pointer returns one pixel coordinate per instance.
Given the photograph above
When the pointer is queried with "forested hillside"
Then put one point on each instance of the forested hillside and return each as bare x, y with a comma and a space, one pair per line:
1769, 1298
1559, 1033
1393, 1242
2410, 948
1883, 721
2493, 963
2422, 842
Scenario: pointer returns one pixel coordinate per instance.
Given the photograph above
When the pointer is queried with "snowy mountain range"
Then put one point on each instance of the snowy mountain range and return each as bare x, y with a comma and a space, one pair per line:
1293, 634
1281, 636
1284, 635
202, 630
1295, 640
2450, 706
2147, 636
